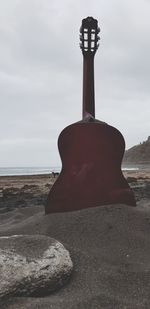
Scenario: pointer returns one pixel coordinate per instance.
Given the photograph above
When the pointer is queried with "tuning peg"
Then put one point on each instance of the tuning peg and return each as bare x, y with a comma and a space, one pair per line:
98, 30
81, 37
98, 38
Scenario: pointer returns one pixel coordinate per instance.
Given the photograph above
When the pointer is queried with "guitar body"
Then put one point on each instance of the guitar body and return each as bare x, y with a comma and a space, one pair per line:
91, 151
91, 154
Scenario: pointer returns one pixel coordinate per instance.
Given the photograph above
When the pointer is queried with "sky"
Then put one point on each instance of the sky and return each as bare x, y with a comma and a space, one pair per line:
41, 74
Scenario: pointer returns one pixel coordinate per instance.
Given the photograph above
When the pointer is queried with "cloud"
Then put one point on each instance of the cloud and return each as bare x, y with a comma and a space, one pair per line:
41, 73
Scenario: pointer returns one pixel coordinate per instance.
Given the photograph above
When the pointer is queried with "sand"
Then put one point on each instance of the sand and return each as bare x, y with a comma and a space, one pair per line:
109, 246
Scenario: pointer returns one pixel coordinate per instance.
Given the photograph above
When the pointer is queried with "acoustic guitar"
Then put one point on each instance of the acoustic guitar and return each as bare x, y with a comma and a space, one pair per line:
91, 150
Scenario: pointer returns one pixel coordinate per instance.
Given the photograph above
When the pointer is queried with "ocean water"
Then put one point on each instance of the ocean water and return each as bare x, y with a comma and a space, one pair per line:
36, 170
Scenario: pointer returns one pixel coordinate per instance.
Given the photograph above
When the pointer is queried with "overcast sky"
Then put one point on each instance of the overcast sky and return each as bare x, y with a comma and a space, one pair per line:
41, 73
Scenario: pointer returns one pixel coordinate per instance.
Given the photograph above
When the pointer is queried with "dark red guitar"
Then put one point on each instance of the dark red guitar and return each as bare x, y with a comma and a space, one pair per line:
91, 150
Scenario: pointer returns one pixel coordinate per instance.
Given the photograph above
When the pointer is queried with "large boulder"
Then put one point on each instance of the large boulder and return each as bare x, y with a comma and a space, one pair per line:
32, 265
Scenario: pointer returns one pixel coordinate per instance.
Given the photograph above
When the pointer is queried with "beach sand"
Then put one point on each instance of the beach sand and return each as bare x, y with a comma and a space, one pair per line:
109, 245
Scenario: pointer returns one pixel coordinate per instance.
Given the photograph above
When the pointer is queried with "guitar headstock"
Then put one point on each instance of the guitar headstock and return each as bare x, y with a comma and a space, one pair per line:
89, 36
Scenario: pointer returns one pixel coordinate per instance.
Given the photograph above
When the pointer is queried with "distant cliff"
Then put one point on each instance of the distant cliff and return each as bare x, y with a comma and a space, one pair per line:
139, 154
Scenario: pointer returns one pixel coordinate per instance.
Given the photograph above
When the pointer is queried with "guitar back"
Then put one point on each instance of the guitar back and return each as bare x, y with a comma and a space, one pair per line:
91, 151
91, 175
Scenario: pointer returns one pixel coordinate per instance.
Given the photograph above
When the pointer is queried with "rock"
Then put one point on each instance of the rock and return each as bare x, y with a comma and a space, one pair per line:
32, 265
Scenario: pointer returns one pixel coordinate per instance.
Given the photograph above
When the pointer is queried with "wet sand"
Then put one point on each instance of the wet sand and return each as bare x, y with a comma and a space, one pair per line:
25, 191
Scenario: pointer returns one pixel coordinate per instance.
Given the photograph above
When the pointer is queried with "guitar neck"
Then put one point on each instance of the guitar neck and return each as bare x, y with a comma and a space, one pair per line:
89, 43
88, 88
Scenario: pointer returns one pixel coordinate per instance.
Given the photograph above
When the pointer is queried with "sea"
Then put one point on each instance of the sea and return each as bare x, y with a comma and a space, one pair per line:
36, 170
31, 170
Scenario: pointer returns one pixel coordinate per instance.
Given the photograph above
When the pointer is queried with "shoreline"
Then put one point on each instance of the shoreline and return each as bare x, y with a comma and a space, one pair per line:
32, 190
145, 173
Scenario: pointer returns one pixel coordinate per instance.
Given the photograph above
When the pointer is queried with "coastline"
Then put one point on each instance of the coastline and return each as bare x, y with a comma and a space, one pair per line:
24, 191
32, 190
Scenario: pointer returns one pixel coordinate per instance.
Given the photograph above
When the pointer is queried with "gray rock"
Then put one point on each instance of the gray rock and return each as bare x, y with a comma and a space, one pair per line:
32, 265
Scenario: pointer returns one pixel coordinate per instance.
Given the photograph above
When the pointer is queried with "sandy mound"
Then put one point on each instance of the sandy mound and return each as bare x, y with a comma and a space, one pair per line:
110, 249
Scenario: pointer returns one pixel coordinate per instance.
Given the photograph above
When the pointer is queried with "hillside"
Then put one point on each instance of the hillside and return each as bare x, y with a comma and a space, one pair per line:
139, 154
